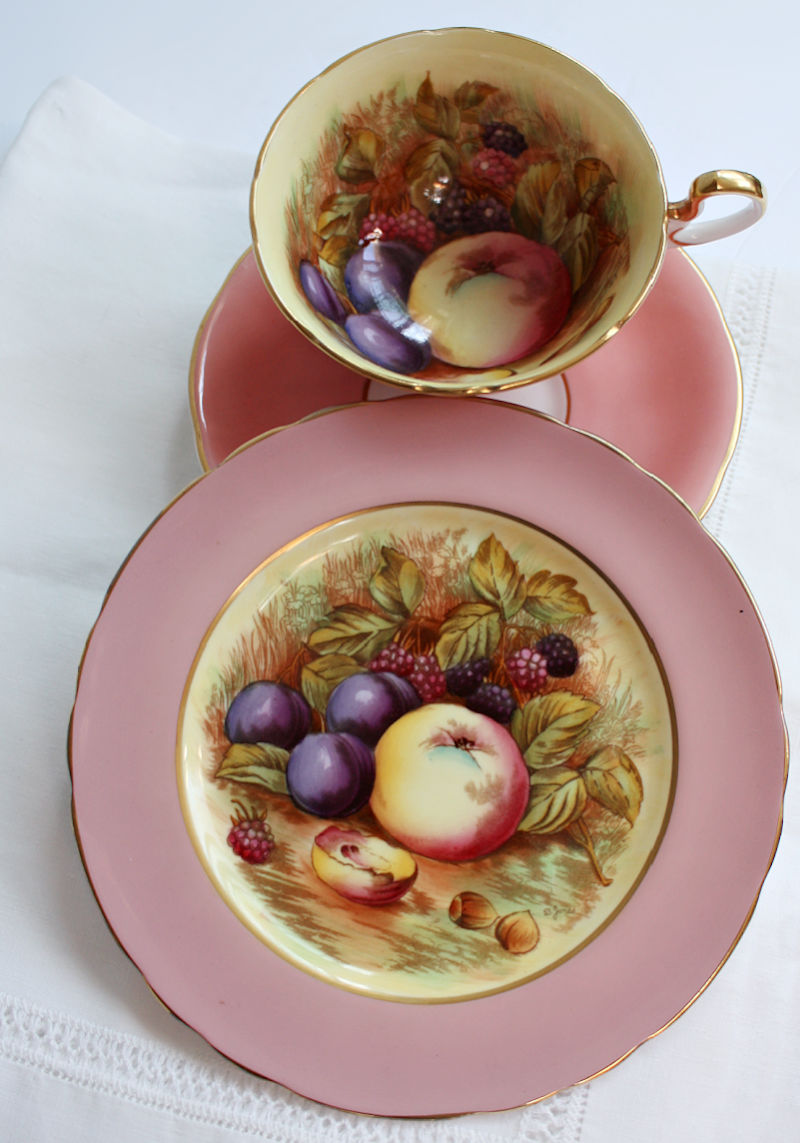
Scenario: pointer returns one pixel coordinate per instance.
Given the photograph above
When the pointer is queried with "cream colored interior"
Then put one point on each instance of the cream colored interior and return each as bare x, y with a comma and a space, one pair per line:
452, 57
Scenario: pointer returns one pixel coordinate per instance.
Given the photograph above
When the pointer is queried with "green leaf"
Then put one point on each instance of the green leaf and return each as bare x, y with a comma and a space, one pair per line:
579, 247
360, 156
612, 779
429, 172
496, 577
549, 727
342, 214
470, 631
558, 798
553, 598
398, 585
435, 113
353, 630
321, 676
528, 207
256, 764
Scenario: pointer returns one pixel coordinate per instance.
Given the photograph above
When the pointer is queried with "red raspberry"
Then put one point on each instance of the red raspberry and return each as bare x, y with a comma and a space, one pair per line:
415, 229
395, 659
250, 837
410, 227
378, 227
428, 678
527, 669
495, 167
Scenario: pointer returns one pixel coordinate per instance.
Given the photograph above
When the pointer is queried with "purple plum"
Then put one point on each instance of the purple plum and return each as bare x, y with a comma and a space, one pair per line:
330, 774
268, 712
321, 293
403, 348
367, 704
378, 270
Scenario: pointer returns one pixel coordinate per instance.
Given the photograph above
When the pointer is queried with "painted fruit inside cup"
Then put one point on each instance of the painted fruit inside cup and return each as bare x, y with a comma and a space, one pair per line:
367, 703
380, 270
403, 347
268, 712
450, 783
321, 294
488, 299
330, 774
361, 867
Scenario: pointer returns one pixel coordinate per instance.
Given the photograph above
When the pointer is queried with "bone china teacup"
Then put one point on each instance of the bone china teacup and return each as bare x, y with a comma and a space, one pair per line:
464, 211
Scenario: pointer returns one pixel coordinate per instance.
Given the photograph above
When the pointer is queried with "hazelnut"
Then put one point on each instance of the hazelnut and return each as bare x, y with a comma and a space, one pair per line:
472, 911
517, 932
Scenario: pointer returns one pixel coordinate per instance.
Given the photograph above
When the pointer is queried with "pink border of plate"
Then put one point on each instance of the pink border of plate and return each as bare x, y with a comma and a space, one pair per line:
500, 1051
666, 389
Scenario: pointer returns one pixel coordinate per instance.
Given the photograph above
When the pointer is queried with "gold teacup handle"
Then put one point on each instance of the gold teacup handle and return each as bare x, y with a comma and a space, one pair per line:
684, 231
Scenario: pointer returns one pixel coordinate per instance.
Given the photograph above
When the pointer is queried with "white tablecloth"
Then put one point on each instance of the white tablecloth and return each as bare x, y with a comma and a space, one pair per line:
114, 238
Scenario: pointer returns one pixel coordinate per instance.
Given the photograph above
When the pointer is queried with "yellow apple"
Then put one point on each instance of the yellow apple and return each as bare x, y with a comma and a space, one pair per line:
450, 783
491, 298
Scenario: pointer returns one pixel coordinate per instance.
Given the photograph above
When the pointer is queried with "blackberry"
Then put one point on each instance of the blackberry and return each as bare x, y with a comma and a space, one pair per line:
395, 659
495, 167
250, 837
465, 678
449, 214
486, 214
560, 653
494, 700
427, 678
504, 137
527, 669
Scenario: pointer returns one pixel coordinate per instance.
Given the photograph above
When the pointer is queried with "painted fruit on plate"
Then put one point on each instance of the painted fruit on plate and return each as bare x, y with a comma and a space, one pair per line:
330, 774
450, 783
362, 868
265, 711
426, 752
366, 704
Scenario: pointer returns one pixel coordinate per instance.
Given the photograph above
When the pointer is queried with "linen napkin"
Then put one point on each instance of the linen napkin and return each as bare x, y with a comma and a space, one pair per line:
115, 237
727, 1070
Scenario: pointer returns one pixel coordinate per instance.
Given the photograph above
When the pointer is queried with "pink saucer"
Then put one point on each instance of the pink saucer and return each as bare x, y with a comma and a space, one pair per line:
666, 389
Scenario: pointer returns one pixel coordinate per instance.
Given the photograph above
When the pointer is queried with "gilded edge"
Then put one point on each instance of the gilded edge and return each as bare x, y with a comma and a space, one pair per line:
608, 1067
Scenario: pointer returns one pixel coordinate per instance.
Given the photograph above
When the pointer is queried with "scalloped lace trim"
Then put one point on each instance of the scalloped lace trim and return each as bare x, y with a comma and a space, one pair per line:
747, 305
218, 1094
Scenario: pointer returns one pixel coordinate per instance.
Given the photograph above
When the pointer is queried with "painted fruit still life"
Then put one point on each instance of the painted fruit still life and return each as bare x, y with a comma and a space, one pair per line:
426, 752
445, 232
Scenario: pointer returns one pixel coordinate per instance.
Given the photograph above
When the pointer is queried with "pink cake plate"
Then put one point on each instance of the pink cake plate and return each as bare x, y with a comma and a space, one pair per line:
666, 389
581, 540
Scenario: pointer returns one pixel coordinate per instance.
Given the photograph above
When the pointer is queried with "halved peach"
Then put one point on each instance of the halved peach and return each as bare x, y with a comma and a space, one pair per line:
361, 867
